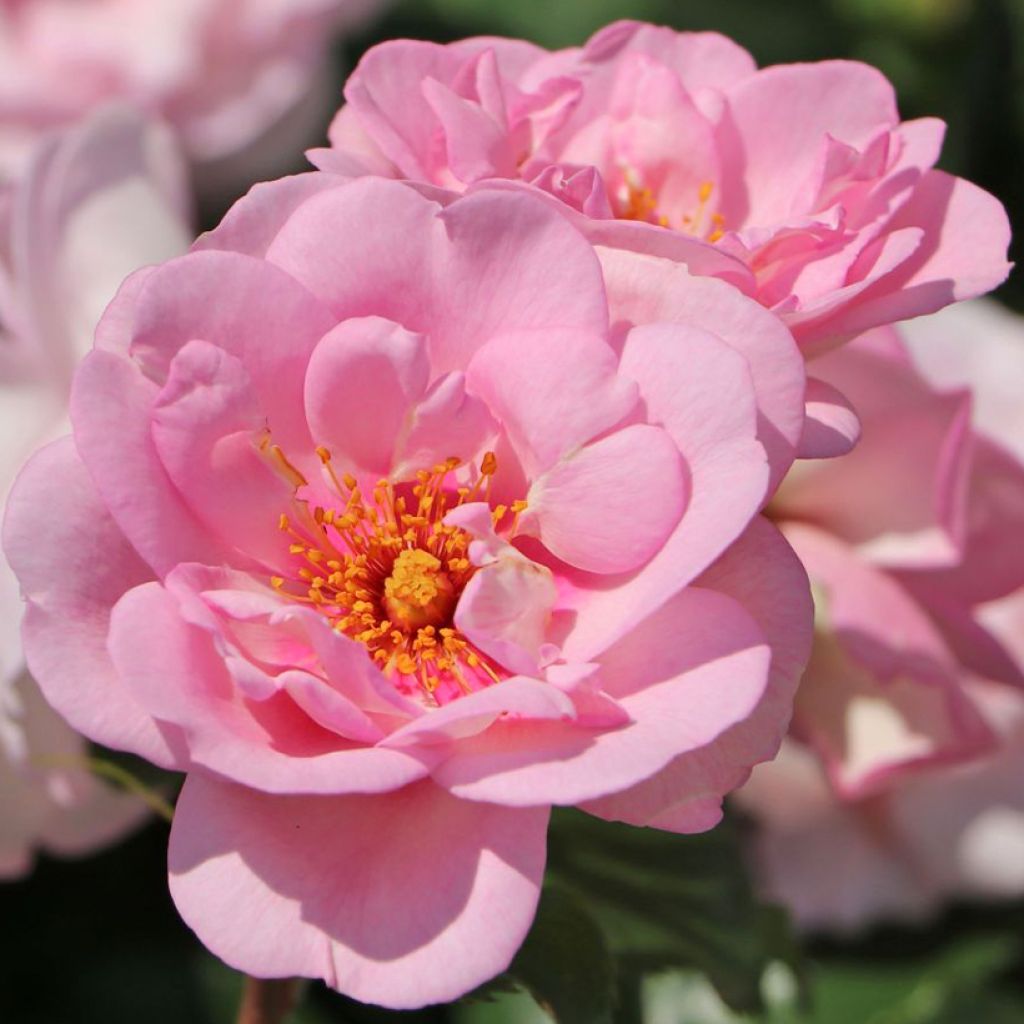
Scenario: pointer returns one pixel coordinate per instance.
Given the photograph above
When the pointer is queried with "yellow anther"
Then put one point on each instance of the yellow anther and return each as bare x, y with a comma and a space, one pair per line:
390, 578
290, 473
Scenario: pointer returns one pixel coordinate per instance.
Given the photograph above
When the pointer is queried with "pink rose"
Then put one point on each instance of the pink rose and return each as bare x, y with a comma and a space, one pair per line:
798, 183
950, 833
94, 205
222, 72
392, 542
912, 699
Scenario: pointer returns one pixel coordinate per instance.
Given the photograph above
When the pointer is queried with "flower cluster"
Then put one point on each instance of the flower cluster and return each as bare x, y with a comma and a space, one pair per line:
906, 748
467, 476
223, 72
95, 204
797, 183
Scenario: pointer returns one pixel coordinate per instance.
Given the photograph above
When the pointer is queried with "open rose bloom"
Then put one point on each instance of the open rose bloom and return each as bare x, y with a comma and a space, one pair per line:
222, 72
797, 183
391, 542
903, 773
95, 204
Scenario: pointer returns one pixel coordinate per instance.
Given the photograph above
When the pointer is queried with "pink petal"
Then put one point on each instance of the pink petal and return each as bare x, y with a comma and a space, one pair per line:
505, 609
643, 289
832, 427
363, 379
477, 145
447, 423
763, 574
265, 318
252, 224
547, 415
700, 59
963, 254
901, 493
333, 888
700, 390
782, 114
517, 698
444, 272
117, 447
679, 697
206, 426
881, 693
610, 507
71, 582
176, 672
385, 92
329, 707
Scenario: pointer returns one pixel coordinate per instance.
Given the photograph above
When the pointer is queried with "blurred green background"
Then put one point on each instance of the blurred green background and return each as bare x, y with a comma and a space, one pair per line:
98, 941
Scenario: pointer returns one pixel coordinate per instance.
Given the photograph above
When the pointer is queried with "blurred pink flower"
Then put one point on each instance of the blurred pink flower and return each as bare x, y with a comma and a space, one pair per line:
392, 544
95, 204
798, 183
913, 546
222, 72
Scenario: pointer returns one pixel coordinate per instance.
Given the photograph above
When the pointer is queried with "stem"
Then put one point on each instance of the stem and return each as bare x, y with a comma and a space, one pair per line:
268, 1000
124, 778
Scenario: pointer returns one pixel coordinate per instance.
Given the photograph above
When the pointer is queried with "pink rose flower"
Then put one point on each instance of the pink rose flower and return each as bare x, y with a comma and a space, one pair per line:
798, 183
908, 729
94, 205
393, 543
222, 72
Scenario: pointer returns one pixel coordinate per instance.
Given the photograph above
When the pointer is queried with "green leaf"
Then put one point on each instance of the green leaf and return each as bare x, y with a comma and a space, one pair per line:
958, 986
565, 963
669, 901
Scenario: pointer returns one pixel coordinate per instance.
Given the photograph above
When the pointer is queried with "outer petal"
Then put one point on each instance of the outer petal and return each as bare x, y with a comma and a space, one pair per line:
371, 894
71, 582
549, 414
808, 840
679, 696
963, 254
781, 116
264, 318
645, 288
176, 671
989, 363
881, 692
117, 446
437, 271
206, 426
252, 224
102, 199
901, 495
762, 572
363, 379
586, 514
831, 427
699, 389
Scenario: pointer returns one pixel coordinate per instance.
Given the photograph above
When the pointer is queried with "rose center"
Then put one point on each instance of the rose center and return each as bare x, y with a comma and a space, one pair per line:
387, 570
634, 200
418, 592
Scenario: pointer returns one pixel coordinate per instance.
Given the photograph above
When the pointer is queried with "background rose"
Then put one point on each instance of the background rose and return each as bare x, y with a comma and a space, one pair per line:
797, 182
222, 72
918, 657
227, 556
95, 204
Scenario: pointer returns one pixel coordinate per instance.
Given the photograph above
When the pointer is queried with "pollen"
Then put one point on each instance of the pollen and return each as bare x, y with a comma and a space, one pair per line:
637, 201
386, 570
418, 592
